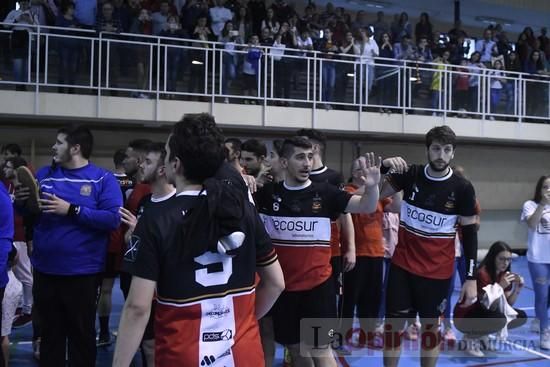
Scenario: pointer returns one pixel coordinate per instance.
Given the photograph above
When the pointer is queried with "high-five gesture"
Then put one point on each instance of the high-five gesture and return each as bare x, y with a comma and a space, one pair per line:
370, 167
370, 177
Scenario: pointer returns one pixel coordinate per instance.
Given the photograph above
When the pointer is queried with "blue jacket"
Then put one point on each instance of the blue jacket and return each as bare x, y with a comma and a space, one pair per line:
6, 233
65, 245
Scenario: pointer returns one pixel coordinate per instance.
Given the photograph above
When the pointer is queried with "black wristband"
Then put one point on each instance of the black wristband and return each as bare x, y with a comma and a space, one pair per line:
74, 210
383, 169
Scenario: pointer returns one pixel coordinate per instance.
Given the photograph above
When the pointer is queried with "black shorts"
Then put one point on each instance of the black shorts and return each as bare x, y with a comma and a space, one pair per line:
407, 291
291, 307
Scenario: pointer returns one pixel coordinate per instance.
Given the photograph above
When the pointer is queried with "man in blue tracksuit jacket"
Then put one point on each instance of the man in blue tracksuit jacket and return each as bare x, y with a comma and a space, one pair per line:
79, 207
6, 239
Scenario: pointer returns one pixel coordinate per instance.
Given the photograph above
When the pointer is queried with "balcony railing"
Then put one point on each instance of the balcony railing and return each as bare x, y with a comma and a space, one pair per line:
87, 62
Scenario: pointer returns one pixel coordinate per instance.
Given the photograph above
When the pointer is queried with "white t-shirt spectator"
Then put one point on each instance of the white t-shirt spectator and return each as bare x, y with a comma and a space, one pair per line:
304, 44
538, 239
219, 15
367, 50
484, 48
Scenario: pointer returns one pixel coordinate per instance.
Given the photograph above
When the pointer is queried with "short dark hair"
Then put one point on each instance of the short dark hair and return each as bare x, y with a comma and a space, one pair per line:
315, 135
198, 143
538, 187
79, 135
489, 261
254, 146
12, 148
119, 157
443, 134
278, 146
295, 142
236, 143
16, 161
157, 147
140, 144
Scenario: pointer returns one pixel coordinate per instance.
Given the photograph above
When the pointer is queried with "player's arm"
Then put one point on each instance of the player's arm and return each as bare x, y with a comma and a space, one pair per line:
370, 178
133, 321
271, 284
348, 241
395, 205
393, 165
468, 294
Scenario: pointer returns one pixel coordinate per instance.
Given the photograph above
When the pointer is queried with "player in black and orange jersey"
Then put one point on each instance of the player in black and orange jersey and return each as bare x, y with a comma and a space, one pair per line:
435, 200
200, 252
297, 214
342, 239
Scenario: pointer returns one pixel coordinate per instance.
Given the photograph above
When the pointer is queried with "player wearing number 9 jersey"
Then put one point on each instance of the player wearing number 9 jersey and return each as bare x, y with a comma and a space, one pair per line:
200, 252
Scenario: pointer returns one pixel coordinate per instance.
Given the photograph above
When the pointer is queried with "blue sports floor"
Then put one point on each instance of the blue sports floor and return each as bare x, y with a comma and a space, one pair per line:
521, 349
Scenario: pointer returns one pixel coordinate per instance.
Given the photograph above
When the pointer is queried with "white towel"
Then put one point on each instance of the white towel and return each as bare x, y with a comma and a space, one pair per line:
495, 293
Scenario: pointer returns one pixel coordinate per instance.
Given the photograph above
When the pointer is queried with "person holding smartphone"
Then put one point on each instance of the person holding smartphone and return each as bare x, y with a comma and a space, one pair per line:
477, 321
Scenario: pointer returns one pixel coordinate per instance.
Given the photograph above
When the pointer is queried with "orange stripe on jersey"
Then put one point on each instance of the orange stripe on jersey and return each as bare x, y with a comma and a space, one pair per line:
304, 267
223, 330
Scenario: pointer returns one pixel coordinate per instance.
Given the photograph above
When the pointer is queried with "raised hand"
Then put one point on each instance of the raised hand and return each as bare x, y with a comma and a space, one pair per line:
370, 168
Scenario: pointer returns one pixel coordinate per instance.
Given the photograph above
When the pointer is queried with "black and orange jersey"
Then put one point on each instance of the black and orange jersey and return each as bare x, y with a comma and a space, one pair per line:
298, 221
429, 213
325, 174
205, 308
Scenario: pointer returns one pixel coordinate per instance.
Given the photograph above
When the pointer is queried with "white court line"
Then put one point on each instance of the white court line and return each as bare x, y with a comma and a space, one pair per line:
526, 308
528, 350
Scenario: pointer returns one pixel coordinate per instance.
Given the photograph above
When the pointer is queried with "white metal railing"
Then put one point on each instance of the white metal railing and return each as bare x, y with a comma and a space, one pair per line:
108, 63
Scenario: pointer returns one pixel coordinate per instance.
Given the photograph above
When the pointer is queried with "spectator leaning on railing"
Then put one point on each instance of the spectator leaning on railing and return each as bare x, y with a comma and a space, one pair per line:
141, 25
484, 47
231, 39
23, 19
67, 47
242, 23
160, 17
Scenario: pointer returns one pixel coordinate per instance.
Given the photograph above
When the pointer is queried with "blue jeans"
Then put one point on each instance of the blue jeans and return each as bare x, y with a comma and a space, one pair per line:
20, 69
329, 80
229, 71
495, 99
540, 275
510, 90
174, 61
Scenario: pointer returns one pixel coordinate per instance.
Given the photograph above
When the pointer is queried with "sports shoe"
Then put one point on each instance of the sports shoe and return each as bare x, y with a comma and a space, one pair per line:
487, 344
104, 340
545, 339
449, 336
22, 320
473, 347
411, 333
26, 179
535, 326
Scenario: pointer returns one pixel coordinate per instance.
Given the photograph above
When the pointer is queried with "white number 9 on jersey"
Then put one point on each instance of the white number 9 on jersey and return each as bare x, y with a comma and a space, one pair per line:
203, 277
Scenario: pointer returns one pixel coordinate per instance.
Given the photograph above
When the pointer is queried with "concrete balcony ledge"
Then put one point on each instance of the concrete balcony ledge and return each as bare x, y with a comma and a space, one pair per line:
153, 112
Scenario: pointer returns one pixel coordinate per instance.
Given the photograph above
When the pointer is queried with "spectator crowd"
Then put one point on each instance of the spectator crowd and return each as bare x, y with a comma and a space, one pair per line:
248, 32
